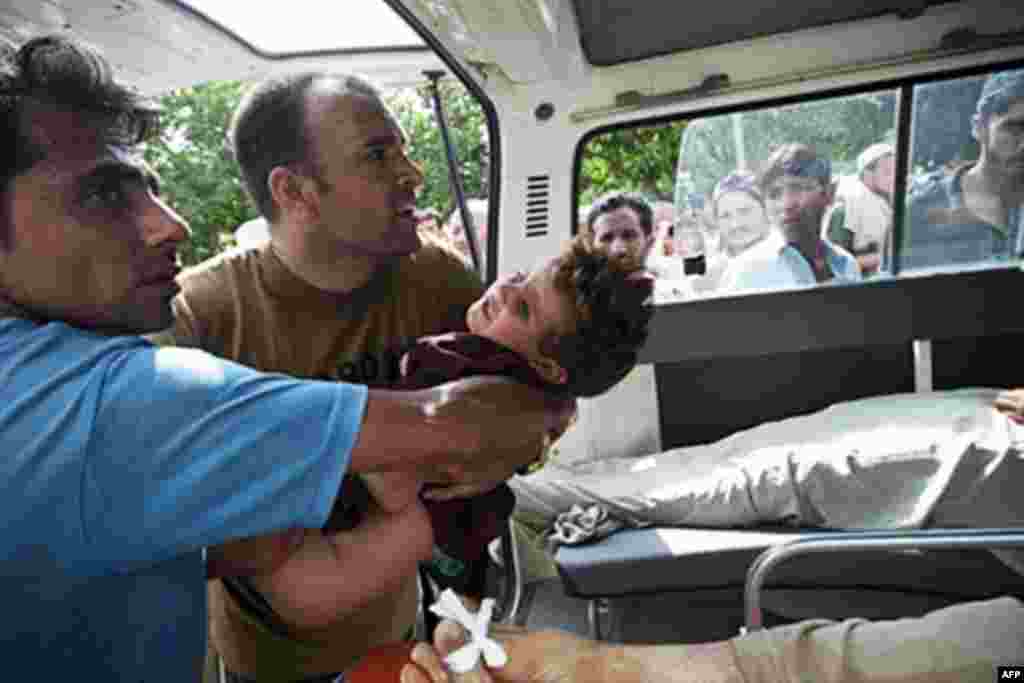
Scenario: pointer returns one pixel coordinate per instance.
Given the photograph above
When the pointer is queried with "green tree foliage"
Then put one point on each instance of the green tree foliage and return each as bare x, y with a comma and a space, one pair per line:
468, 130
641, 159
839, 128
200, 179
198, 176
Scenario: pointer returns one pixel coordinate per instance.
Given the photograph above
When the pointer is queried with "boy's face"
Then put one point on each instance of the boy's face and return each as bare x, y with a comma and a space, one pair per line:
519, 311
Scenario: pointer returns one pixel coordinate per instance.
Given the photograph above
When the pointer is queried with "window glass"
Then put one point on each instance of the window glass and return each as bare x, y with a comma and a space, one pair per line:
762, 200
302, 26
965, 201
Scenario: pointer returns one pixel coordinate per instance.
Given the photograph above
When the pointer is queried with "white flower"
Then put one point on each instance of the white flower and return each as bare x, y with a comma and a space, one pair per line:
463, 660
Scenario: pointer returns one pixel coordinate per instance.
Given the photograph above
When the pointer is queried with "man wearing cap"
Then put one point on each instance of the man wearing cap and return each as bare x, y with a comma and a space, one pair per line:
796, 185
861, 215
976, 211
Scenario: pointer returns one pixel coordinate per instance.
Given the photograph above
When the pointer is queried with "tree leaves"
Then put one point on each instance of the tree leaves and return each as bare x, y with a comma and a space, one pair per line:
201, 181
641, 159
198, 177
468, 130
839, 128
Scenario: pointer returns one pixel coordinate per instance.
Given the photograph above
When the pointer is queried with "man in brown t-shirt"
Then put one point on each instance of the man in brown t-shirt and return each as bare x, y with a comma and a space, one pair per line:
344, 286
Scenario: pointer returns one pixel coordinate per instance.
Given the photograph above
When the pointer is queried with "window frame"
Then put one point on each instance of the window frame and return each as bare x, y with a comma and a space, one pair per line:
900, 308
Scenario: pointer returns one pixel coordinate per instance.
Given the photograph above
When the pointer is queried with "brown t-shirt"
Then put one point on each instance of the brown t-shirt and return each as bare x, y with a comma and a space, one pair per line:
248, 307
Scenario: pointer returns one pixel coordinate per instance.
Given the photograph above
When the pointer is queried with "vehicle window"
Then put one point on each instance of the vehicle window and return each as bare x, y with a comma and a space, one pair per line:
965, 203
765, 199
802, 195
286, 29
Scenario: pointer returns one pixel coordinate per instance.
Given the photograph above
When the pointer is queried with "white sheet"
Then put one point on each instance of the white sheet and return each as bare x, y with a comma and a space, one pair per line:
901, 461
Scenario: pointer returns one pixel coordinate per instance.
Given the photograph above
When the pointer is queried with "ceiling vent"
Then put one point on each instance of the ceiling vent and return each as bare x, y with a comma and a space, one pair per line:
538, 191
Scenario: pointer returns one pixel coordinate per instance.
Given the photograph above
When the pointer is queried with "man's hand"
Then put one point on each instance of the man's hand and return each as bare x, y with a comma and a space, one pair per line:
870, 262
1012, 404
510, 442
393, 491
468, 435
533, 657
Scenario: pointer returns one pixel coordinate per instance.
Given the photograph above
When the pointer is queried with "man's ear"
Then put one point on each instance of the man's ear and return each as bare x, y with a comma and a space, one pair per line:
549, 370
292, 193
648, 246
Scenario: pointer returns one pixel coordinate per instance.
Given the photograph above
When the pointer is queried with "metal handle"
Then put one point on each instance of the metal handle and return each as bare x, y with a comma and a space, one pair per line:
512, 588
929, 539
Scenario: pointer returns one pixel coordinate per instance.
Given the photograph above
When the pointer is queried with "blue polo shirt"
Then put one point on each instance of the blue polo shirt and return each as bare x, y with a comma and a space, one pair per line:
120, 463
942, 230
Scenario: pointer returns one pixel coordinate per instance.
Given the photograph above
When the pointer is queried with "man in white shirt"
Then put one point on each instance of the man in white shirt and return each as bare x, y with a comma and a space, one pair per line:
796, 184
861, 216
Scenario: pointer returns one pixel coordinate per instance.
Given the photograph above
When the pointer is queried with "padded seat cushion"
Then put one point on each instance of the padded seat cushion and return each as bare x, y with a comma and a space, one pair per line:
661, 559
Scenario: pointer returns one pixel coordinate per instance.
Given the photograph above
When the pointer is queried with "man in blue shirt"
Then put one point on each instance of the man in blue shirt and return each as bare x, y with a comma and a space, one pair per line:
975, 212
796, 184
126, 469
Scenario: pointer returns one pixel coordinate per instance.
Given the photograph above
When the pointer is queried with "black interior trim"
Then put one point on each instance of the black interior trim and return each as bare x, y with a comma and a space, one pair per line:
618, 31
886, 311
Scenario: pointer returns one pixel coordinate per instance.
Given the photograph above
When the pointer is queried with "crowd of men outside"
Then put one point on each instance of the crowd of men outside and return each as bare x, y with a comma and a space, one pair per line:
793, 221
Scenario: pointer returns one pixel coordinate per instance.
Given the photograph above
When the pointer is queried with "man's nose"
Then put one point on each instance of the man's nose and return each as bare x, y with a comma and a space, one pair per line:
409, 172
163, 224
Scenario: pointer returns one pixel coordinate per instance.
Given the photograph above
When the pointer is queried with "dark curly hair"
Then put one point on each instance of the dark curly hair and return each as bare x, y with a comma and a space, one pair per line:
58, 73
611, 299
613, 201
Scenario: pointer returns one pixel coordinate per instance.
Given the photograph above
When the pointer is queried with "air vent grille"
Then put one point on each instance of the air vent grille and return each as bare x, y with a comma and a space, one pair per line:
538, 195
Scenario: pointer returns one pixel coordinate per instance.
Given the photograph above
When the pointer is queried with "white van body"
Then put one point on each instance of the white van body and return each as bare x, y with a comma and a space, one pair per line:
553, 73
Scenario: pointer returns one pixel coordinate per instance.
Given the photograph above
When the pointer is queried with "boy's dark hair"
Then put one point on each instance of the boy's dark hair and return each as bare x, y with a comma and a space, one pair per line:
55, 72
795, 159
611, 299
269, 129
613, 201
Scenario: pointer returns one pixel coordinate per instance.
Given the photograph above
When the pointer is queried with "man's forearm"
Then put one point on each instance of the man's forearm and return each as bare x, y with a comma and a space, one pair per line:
329, 575
964, 642
701, 663
397, 432
474, 432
